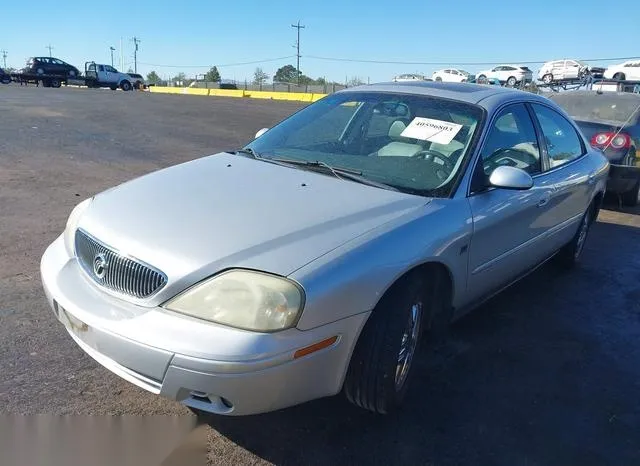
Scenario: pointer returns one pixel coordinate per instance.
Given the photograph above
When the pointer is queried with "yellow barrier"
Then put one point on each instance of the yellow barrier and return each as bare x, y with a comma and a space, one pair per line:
226, 92
291, 96
197, 91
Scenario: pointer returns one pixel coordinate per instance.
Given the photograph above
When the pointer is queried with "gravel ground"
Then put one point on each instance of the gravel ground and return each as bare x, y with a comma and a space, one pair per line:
545, 373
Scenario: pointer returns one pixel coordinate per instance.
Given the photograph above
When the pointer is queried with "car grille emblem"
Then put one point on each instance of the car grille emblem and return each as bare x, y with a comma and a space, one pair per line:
99, 265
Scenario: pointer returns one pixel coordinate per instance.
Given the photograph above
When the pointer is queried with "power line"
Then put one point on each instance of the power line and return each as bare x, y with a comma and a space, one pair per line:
50, 48
298, 27
221, 66
449, 63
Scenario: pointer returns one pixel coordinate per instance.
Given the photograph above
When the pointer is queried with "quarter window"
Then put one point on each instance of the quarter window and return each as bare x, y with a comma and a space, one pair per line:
563, 142
512, 141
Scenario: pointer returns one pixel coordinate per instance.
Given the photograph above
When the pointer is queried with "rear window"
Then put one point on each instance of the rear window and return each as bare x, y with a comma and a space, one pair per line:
608, 106
525, 68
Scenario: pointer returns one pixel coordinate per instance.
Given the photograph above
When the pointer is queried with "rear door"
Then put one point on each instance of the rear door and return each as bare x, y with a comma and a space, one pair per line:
566, 168
508, 225
571, 69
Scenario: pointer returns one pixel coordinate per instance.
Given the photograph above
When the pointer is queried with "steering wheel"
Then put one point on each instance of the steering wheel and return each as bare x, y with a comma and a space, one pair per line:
519, 155
432, 155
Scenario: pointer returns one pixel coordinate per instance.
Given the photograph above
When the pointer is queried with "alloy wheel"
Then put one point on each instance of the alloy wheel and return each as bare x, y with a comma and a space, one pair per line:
408, 345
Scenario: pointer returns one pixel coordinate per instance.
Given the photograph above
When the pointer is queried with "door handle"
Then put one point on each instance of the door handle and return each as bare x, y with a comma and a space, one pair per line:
544, 200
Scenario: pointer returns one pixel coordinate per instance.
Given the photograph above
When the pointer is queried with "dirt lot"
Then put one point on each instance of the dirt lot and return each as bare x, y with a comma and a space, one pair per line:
546, 373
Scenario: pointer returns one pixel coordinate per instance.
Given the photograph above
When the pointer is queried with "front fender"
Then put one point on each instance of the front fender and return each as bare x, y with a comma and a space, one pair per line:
352, 278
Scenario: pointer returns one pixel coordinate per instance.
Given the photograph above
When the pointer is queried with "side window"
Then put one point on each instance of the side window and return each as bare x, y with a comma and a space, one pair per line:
100, 68
57, 62
447, 71
110, 69
512, 141
563, 142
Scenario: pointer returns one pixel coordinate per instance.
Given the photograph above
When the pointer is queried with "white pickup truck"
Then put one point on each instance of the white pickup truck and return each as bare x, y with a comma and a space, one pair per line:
97, 75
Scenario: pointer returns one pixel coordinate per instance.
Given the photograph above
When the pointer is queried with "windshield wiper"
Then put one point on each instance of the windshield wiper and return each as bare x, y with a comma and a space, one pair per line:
248, 151
339, 172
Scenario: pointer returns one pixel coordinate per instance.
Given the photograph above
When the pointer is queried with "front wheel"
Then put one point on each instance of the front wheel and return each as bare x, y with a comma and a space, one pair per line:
619, 76
511, 81
380, 367
55, 83
439, 79
547, 78
125, 85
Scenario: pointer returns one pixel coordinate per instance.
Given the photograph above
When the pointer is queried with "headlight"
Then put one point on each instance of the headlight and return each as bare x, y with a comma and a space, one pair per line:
243, 299
72, 225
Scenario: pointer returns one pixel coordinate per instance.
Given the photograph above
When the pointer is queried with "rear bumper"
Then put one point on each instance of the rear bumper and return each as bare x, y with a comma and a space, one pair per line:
622, 178
210, 367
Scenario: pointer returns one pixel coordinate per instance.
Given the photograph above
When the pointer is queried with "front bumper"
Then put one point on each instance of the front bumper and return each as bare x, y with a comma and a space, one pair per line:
207, 366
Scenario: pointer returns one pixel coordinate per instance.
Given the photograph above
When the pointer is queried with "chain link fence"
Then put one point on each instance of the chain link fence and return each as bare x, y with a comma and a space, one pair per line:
272, 87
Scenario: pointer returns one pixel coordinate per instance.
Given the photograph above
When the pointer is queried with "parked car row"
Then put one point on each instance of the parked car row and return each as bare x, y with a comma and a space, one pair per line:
555, 71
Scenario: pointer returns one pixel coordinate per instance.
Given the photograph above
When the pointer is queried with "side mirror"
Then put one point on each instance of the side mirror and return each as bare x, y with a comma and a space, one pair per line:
261, 132
510, 178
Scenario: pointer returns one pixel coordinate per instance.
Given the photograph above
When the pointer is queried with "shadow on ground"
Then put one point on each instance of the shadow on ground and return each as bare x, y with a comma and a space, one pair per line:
545, 373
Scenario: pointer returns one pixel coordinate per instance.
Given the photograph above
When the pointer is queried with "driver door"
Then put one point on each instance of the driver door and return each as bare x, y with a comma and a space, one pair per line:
509, 226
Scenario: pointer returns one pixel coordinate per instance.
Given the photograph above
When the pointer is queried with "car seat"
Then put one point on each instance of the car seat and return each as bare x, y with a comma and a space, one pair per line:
398, 147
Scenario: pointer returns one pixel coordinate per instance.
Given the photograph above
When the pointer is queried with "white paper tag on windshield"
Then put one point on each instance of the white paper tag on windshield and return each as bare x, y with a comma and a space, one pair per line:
441, 132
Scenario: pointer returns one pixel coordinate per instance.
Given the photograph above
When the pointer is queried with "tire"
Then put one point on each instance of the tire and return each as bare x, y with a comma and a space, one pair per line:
619, 76
511, 81
481, 79
439, 79
571, 253
547, 78
113, 88
632, 198
55, 82
125, 86
380, 367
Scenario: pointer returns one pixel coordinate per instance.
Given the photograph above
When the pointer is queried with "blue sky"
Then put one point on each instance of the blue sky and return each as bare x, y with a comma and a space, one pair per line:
199, 33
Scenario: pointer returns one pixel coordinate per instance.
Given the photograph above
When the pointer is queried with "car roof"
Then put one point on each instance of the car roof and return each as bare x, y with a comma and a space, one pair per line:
465, 92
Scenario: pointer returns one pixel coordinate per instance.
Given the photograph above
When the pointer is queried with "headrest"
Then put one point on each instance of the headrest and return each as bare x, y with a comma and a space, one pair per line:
397, 127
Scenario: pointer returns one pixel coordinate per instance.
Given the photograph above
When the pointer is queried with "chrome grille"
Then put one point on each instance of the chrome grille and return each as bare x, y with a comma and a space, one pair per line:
115, 271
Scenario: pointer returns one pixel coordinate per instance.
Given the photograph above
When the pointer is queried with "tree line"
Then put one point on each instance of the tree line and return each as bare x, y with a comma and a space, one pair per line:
285, 74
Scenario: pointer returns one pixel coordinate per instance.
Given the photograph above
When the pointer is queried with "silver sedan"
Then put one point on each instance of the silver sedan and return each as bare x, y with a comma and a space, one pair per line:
316, 258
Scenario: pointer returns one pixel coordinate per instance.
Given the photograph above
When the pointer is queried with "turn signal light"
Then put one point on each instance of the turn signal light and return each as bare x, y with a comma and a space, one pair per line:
315, 347
617, 141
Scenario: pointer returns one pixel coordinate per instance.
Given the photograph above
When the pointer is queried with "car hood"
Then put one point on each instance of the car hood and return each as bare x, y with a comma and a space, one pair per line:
197, 218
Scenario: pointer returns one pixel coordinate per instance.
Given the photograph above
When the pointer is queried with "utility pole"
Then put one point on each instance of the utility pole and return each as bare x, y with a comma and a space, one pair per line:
4, 57
136, 41
298, 27
50, 48
112, 49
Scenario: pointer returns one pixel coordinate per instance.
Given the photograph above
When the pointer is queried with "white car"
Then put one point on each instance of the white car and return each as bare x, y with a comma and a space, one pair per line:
408, 78
509, 74
451, 75
562, 70
627, 71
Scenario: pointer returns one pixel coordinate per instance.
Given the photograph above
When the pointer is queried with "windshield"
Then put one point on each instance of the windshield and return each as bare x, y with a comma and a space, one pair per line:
607, 106
416, 144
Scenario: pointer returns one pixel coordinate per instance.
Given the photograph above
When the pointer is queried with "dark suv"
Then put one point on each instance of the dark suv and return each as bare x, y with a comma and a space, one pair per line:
50, 65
